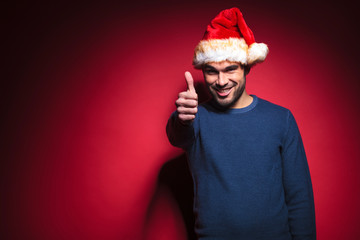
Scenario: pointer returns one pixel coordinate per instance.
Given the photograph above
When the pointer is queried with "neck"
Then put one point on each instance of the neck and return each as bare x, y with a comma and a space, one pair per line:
244, 101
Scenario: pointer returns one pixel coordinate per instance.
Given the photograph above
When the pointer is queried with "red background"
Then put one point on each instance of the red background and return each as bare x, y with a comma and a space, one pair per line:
88, 89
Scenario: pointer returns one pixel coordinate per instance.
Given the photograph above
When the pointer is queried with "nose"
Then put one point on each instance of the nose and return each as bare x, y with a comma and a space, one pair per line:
222, 80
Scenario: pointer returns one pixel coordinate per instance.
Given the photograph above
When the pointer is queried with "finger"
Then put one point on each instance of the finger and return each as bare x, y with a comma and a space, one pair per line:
186, 102
186, 117
186, 110
189, 81
188, 95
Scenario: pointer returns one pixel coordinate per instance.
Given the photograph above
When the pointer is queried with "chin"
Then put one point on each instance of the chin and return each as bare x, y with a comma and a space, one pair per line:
224, 103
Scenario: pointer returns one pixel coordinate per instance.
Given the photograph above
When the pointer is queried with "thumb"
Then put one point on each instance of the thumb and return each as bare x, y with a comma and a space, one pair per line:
190, 82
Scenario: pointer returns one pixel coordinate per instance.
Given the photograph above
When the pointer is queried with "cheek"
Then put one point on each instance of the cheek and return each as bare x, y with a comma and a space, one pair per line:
239, 77
240, 81
209, 82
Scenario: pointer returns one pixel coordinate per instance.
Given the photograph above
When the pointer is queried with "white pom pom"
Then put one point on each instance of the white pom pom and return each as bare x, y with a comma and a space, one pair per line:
257, 52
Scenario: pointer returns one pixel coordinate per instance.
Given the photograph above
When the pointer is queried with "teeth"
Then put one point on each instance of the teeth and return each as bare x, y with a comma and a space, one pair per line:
223, 90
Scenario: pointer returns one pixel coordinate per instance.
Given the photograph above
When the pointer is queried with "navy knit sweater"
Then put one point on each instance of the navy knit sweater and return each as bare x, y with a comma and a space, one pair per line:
251, 177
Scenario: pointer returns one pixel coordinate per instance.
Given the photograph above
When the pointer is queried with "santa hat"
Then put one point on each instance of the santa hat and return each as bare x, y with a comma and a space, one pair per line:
228, 37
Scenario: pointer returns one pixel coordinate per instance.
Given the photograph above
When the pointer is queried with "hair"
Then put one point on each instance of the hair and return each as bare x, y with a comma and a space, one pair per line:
247, 69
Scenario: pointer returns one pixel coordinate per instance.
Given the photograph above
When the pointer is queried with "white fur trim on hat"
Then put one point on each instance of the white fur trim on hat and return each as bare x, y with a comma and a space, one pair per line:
217, 50
230, 49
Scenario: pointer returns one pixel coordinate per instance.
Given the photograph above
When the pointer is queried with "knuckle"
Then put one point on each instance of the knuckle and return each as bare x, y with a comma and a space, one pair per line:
180, 109
178, 102
182, 94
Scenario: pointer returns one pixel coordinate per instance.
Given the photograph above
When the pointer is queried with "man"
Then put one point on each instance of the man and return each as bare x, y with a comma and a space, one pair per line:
250, 173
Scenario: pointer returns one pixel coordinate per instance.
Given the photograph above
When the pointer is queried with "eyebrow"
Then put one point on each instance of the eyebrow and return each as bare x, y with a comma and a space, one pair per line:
209, 67
231, 67
228, 68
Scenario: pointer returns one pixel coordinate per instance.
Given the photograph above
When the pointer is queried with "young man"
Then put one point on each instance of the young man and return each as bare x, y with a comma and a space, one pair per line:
250, 173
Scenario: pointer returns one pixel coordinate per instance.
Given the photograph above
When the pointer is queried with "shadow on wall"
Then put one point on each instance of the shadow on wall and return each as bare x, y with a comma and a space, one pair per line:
175, 175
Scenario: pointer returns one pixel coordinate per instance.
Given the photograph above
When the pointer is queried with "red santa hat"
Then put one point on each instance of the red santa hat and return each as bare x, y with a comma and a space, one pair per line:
228, 37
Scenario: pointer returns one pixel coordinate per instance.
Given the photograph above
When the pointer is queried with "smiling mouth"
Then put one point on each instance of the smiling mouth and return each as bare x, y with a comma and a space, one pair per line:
223, 92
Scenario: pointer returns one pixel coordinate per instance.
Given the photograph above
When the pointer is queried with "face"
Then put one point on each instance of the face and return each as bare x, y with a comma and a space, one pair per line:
225, 81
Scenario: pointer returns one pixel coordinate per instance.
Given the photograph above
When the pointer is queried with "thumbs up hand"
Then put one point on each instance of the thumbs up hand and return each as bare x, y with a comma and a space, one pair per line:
187, 101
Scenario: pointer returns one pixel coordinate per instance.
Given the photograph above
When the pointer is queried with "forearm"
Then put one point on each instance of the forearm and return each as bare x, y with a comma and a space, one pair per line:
297, 185
179, 134
301, 212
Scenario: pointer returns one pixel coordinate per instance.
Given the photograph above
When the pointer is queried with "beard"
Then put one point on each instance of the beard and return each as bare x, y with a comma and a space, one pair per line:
225, 103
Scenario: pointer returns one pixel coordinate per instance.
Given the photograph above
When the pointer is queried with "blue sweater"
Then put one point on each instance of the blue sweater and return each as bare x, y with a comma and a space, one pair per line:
250, 173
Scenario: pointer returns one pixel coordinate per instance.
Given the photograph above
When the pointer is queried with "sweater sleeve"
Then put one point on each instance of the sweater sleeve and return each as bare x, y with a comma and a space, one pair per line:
179, 135
297, 184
